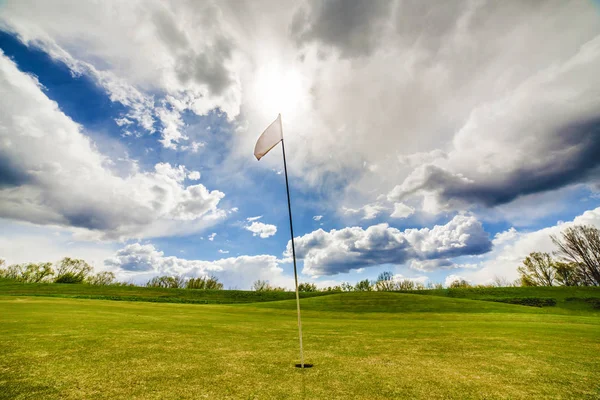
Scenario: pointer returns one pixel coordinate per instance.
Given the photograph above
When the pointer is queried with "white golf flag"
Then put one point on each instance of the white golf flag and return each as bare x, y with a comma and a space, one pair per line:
269, 138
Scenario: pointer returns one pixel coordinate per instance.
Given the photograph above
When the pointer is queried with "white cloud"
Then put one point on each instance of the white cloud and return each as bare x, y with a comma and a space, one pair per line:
250, 219
416, 279
338, 251
194, 175
351, 211
262, 230
401, 210
317, 217
372, 210
194, 146
468, 77
492, 162
21, 242
212, 236
493, 113
368, 211
193, 57
223, 251
172, 125
142, 261
54, 175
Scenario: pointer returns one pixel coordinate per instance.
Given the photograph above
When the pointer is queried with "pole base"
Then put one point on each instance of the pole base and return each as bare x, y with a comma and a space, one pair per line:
305, 365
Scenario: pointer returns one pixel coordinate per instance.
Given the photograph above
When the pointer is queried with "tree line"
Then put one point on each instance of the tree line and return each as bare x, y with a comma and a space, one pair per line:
73, 270
67, 270
575, 262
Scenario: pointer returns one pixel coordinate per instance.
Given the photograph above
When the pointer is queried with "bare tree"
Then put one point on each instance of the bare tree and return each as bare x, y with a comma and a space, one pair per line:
537, 270
500, 281
30, 272
406, 284
307, 287
385, 282
204, 283
567, 274
580, 245
261, 286
72, 270
171, 282
103, 278
459, 283
363, 286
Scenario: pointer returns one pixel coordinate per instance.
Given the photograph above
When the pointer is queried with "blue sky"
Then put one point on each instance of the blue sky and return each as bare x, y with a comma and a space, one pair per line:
423, 154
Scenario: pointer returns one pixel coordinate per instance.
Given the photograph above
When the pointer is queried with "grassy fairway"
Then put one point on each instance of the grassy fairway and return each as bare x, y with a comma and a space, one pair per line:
363, 345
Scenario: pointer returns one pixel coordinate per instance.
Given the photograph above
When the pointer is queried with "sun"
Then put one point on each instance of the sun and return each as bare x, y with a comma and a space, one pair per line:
280, 90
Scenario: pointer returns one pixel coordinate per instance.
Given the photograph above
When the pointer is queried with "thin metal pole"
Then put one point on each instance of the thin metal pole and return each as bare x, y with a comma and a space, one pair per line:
287, 187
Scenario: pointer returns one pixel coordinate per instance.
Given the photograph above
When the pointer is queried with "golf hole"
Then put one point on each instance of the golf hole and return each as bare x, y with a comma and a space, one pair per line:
305, 365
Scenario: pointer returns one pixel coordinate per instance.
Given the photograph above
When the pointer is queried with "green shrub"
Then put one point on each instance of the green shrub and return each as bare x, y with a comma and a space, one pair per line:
594, 301
101, 278
69, 277
364, 286
204, 283
172, 282
525, 301
307, 287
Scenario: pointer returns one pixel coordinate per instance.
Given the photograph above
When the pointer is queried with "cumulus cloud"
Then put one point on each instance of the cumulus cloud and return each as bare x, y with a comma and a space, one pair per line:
192, 54
469, 80
212, 236
338, 251
502, 153
401, 210
142, 261
461, 104
317, 217
432, 265
368, 211
494, 118
194, 175
52, 174
261, 229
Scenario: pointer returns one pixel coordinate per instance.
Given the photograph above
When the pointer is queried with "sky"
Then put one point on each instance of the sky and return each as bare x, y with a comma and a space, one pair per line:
435, 141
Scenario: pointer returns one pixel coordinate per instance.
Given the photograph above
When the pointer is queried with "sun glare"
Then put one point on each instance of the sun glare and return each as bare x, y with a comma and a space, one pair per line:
280, 91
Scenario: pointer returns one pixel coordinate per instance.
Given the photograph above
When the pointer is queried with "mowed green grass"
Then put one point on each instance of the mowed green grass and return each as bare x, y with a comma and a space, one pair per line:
363, 345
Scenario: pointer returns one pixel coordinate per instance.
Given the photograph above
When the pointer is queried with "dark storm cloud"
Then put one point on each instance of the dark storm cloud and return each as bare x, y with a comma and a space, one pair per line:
207, 66
570, 156
352, 26
10, 173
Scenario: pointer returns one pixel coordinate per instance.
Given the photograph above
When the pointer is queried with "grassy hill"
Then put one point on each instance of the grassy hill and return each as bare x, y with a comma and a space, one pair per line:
363, 345
569, 298
134, 293
577, 299
373, 345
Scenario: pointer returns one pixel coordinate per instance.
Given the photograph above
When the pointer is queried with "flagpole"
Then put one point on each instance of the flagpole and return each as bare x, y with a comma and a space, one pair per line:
287, 188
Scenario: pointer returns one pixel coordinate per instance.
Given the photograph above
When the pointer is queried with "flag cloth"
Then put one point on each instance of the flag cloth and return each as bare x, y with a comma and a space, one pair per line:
269, 138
